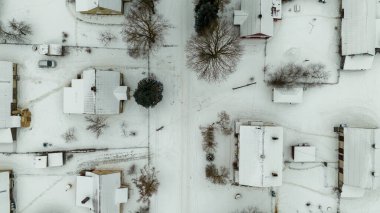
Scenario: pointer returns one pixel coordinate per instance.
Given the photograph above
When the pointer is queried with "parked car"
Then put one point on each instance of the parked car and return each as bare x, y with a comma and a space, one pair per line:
47, 64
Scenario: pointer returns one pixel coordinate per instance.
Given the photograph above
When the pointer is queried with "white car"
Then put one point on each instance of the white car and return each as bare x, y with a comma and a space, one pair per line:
47, 64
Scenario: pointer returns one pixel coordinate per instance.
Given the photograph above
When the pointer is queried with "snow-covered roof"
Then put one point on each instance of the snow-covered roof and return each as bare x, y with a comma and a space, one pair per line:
5, 199
359, 27
40, 162
304, 153
6, 99
358, 62
6, 136
255, 18
260, 156
55, 159
102, 189
50, 49
87, 5
97, 92
288, 95
360, 157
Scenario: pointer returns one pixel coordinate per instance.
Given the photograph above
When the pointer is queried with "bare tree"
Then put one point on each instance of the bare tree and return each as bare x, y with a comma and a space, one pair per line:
147, 183
16, 31
69, 135
224, 123
215, 54
143, 31
292, 75
215, 175
96, 124
209, 144
143, 209
106, 37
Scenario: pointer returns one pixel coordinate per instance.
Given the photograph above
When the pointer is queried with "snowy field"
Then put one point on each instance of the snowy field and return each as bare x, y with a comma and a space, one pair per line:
188, 103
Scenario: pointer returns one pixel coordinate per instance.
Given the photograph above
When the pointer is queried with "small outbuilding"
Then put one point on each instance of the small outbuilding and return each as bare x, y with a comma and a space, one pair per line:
100, 7
303, 153
359, 160
101, 191
95, 92
54, 159
260, 154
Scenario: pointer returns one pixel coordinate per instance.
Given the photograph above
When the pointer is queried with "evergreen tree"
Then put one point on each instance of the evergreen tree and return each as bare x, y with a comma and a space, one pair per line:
206, 14
149, 92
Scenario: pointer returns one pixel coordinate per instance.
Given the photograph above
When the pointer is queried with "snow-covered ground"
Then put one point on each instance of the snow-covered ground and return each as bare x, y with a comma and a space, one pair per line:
188, 104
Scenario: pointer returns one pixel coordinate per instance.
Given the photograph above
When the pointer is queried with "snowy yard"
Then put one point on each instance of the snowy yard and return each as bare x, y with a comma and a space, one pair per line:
188, 103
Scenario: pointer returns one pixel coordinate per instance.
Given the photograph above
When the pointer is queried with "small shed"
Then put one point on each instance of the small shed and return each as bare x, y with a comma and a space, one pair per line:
260, 156
288, 95
40, 162
50, 49
55, 159
303, 153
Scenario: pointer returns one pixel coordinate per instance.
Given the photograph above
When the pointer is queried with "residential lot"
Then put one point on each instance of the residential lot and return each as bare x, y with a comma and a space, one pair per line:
188, 103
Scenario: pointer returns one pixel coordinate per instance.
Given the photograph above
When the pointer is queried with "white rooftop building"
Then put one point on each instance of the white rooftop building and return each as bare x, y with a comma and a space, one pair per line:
8, 95
260, 158
359, 160
101, 7
256, 17
358, 34
5, 192
101, 191
97, 92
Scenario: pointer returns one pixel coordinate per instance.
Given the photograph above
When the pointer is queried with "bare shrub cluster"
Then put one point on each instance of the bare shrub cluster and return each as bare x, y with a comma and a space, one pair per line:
292, 75
69, 135
224, 123
143, 209
208, 134
215, 175
106, 37
144, 29
96, 124
147, 183
16, 31
249, 209
215, 54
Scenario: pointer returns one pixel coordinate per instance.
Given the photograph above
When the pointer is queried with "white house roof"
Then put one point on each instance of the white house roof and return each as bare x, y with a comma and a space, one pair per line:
359, 27
288, 95
360, 158
103, 191
97, 92
260, 155
255, 17
5, 200
6, 97
86, 5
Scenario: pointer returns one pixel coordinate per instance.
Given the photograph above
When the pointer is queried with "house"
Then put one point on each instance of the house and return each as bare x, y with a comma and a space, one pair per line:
287, 95
101, 191
303, 153
358, 34
260, 154
100, 7
8, 102
256, 17
6, 205
95, 92
359, 160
